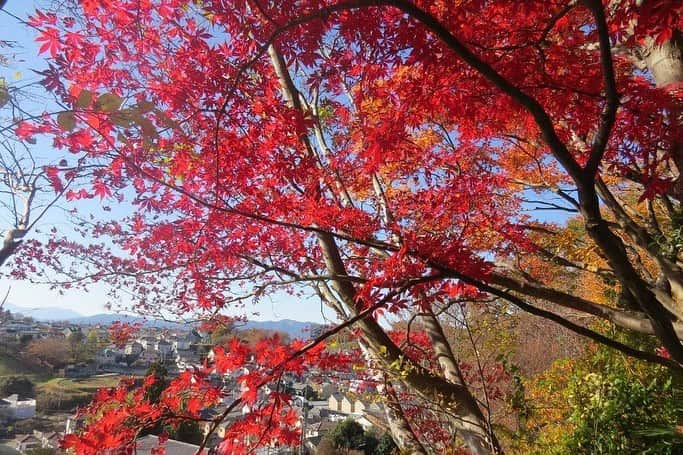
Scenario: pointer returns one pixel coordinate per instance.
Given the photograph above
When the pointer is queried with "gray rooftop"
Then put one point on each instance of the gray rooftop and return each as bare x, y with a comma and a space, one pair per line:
145, 445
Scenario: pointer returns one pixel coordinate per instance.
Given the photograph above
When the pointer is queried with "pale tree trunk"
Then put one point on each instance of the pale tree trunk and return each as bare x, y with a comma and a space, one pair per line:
665, 64
10, 243
471, 424
664, 61
401, 431
453, 398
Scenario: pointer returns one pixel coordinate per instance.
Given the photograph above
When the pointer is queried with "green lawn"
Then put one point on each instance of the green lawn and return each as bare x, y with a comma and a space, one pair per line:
61, 394
86, 385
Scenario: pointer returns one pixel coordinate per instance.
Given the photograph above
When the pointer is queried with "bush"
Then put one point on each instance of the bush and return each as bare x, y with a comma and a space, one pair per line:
605, 403
20, 385
49, 401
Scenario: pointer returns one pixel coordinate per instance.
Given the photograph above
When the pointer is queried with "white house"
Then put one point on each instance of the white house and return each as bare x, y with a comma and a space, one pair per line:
15, 409
133, 348
180, 344
348, 406
107, 356
147, 342
164, 348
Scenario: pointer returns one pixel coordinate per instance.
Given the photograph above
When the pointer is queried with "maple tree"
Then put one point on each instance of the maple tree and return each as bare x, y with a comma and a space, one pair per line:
384, 153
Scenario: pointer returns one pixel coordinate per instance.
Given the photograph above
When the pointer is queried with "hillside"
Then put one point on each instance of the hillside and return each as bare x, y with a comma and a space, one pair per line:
11, 364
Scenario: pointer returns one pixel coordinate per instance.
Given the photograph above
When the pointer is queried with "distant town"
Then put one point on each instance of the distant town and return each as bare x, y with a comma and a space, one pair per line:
50, 368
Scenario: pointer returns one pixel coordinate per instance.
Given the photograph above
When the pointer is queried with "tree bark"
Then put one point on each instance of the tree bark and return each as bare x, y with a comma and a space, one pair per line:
473, 427
664, 61
10, 243
401, 431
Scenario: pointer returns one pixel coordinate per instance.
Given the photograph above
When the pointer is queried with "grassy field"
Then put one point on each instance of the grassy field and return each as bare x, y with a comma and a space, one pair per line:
86, 385
65, 394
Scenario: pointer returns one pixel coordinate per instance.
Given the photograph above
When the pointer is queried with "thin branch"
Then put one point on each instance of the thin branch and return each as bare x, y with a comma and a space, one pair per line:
609, 112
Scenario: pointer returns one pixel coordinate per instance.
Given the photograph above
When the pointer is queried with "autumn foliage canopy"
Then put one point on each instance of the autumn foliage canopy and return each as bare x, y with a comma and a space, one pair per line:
393, 157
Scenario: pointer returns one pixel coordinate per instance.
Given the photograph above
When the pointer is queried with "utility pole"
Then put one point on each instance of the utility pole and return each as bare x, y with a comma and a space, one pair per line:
304, 417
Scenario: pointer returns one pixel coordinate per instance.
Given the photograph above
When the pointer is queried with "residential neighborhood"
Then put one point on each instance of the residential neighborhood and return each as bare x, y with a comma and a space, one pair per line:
323, 399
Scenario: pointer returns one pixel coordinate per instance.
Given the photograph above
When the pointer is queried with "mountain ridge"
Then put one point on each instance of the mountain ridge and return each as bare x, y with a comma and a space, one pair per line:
291, 327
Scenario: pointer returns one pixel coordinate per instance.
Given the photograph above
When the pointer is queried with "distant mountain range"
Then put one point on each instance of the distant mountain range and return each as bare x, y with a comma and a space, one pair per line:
44, 314
295, 329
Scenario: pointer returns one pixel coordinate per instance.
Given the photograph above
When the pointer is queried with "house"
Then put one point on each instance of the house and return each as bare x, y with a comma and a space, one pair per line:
133, 348
186, 359
334, 402
148, 445
29, 334
21, 330
26, 442
317, 409
71, 330
300, 388
107, 356
13, 408
325, 390
164, 348
321, 428
362, 407
147, 342
48, 439
347, 405
180, 344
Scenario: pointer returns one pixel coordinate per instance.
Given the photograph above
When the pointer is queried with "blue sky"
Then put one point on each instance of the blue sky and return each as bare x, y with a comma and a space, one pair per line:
30, 295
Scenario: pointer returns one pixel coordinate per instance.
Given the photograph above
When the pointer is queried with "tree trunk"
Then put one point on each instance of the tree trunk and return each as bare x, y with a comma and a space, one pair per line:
401, 432
10, 243
473, 427
664, 61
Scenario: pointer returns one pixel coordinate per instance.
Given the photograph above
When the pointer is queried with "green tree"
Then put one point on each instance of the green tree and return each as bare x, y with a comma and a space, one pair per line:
94, 343
386, 446
348, 435
160, 373
615, 411
187, 431
79, 349
20, 385
370, 444
611, 405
